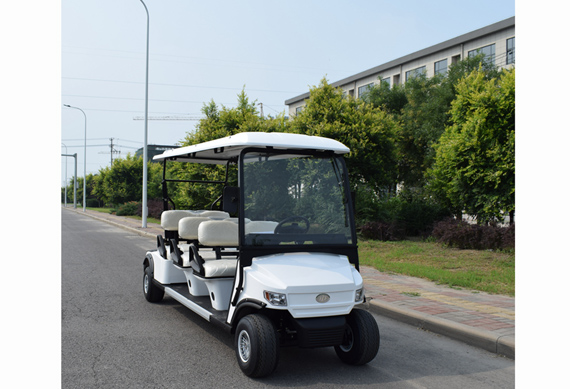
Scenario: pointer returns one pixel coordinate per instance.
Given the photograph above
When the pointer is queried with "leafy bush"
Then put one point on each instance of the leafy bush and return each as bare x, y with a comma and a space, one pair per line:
128, 209
155, 208
93, 203
383, 231
460, 234
419, 216
407, 215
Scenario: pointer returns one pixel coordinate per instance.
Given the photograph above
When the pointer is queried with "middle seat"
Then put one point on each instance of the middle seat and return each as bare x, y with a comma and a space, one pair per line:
188, 230
222, 234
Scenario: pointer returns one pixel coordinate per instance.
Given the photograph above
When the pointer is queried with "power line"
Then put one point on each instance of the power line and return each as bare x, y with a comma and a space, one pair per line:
288, 67
176, 85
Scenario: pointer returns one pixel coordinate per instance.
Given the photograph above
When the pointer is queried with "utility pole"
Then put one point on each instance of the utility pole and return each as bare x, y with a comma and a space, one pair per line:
113, 151
261, 105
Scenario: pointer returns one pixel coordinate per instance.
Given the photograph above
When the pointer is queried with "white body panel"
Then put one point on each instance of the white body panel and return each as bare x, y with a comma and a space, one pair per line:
164, 270
302, 277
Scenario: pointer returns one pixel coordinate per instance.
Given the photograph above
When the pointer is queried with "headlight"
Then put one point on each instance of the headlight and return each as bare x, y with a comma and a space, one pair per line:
359, 295
275, 298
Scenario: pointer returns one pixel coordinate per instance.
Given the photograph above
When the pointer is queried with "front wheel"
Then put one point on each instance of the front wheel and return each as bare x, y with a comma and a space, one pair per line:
151, 292
257, 346
361, 339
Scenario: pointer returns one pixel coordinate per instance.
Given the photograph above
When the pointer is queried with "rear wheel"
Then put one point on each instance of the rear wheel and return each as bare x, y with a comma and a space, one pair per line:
257, 347
361, 339
151, 292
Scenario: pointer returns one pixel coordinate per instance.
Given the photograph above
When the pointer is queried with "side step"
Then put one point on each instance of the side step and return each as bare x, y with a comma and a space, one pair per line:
201, 305
188, 303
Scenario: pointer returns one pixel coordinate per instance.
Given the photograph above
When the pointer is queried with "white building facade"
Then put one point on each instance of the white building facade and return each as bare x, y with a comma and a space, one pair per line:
496, 41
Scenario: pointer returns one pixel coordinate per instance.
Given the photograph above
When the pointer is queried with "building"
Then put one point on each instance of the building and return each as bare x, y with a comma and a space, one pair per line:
496, 41
152, 150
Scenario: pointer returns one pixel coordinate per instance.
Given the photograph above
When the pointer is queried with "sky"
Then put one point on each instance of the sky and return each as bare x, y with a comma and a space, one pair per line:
202, 51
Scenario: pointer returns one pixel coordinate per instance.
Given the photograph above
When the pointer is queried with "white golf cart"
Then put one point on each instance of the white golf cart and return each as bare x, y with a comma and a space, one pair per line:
274, 259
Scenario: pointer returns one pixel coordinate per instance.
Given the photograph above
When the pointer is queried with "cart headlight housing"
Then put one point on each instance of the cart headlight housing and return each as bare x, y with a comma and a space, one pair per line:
275, 298
359, 295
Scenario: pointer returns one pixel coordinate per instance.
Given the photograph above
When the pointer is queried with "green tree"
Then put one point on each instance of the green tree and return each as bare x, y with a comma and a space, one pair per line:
90, 197
219, 122
122, 182
422, 107
368, 131
391, 100
474, 169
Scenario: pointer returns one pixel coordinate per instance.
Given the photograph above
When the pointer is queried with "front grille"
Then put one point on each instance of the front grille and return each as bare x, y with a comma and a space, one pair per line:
320, 332
323, 338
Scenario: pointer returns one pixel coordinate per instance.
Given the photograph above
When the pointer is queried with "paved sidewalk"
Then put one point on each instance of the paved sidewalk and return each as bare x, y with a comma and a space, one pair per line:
476, 318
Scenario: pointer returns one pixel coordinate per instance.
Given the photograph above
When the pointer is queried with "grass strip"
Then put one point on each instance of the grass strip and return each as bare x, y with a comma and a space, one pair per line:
480, 270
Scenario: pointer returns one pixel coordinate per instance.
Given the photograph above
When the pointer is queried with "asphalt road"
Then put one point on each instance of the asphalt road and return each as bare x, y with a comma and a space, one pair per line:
113, 338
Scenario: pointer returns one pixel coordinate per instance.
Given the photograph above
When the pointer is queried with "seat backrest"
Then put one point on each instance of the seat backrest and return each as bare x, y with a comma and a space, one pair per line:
221, 233
169, 219
260, 226
188, 227
213, 214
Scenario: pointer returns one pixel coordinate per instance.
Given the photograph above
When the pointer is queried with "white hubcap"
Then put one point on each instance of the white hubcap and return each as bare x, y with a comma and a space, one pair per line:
244, 346
146, 283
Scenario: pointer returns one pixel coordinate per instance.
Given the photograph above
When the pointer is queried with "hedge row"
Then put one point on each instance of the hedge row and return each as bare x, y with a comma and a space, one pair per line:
451, 232
460, 234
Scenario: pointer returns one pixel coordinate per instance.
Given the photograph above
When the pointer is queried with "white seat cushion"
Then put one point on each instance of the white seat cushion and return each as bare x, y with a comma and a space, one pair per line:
220, 268
218, 233
214, 214
188, 226
169, 219
260, 226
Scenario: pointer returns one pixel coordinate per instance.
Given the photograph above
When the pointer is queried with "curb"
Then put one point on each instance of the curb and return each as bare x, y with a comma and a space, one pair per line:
486, 340
128, 228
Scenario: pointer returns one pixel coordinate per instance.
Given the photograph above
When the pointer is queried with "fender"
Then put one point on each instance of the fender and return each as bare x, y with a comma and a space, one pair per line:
245, 307
149, 262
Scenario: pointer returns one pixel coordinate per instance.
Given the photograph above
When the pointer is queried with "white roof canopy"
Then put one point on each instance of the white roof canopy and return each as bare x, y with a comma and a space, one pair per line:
220, 150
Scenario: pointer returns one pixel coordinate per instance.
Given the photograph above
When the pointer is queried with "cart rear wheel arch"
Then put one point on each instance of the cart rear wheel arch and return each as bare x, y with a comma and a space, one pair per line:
148, 262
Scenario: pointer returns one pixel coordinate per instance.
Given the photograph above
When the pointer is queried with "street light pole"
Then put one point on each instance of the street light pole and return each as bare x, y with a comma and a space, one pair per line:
65, 188
145, 152
84, 155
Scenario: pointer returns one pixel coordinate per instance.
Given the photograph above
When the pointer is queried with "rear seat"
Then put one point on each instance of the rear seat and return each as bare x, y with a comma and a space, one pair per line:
217, 234
169, 220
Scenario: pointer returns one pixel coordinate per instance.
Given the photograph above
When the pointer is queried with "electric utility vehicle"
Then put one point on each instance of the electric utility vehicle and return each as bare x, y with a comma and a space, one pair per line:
273, 260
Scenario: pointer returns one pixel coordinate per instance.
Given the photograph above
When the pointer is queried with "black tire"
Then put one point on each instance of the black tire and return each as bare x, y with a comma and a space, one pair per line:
151, 292
361, 339
256, 344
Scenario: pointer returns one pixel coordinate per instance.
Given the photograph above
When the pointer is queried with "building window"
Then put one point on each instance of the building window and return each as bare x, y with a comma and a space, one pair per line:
396, 80
440, 67
487, 51
362, 90
415, 72
510, 51
298, 110
385, 80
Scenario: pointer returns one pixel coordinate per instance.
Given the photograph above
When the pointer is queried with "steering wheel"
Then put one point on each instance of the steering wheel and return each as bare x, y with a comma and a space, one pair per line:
293, 228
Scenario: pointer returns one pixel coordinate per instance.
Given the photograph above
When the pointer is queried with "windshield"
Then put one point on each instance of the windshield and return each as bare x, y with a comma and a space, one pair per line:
295, 200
